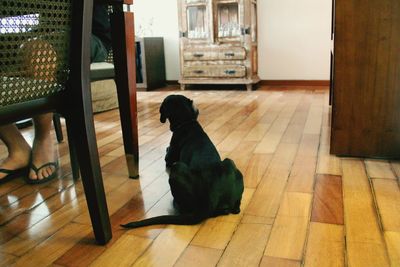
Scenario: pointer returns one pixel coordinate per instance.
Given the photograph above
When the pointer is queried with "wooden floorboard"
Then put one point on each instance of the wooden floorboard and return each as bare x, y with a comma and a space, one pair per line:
301, 206
328, 200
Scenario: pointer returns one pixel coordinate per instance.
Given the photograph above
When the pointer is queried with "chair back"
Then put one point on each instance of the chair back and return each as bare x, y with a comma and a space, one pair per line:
44, 66
36, 50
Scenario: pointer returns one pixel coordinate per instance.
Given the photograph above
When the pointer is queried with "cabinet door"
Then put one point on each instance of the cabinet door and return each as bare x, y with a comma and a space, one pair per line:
366, 99
253, 21
228, 20
195, 21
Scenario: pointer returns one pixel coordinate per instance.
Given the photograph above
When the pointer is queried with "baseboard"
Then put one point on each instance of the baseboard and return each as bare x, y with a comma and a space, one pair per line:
279, 82
172, 82
294, 82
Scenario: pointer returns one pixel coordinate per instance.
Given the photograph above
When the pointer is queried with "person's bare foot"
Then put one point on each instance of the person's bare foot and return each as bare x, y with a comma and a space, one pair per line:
42, 155
18, 158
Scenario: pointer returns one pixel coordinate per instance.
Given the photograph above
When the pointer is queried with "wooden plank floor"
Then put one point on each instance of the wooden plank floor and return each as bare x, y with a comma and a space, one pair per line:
301, 206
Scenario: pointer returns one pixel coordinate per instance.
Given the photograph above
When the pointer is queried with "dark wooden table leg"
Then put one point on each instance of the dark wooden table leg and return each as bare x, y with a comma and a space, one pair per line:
123, 37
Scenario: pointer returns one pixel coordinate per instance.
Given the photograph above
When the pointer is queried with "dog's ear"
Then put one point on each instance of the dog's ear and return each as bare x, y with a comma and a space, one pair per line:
163, 119
163, 115
195, 110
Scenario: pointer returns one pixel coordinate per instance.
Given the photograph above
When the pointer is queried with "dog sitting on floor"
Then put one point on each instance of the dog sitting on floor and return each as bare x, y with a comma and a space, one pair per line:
202, 185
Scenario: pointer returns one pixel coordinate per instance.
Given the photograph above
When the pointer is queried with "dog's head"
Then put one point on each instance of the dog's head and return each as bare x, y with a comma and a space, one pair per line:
178, 109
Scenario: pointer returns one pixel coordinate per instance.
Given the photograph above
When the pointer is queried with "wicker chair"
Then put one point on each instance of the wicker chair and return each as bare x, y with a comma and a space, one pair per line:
54, 37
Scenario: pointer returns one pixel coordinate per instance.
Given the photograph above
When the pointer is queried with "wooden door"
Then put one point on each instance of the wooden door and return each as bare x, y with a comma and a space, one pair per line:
366, 99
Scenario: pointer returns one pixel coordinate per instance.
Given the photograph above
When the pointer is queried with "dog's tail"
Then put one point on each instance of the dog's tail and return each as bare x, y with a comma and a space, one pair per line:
181, 219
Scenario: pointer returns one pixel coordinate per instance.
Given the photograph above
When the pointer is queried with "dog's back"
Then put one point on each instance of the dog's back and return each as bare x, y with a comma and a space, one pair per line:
195, 148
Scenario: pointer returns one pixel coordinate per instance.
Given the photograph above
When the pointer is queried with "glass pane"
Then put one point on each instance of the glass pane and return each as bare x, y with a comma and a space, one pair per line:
195, 1
196, 18
253, 22
228, 20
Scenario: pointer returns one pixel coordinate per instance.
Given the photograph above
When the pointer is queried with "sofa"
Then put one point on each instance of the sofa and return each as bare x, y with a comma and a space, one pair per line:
104, 91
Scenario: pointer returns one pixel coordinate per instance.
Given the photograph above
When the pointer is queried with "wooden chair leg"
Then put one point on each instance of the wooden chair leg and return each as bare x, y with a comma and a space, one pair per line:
72, 152
57, 127
84, 139
124, 63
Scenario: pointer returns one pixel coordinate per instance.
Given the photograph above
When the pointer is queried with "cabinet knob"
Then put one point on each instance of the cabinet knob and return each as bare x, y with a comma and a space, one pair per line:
229, 54
230, 71
198, 55
199, 71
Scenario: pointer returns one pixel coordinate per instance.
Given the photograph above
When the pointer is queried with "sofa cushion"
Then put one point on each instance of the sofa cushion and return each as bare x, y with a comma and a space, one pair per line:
101, 71
104, 95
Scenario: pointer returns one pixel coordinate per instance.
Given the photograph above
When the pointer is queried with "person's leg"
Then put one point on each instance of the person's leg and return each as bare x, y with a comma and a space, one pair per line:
98, 52
42, 148
18, 149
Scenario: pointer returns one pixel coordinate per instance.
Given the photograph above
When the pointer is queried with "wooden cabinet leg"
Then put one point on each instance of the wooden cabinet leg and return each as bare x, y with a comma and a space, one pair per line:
249, 87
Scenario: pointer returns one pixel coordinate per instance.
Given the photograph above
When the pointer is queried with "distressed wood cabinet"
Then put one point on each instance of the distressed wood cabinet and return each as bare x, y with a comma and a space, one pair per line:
218, 42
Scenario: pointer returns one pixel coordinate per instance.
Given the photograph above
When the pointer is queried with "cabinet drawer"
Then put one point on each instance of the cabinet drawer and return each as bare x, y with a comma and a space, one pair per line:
232, 53
221, 71
200, 54
235, 53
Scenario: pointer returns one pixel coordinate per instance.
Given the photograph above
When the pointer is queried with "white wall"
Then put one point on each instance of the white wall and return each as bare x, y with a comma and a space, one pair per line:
294, 36
160, 18
294, 39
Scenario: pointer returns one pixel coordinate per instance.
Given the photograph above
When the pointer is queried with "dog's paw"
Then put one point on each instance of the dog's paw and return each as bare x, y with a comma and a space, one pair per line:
235, 211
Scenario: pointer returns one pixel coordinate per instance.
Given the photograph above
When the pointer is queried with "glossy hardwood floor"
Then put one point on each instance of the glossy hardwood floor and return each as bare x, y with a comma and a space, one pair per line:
301, 206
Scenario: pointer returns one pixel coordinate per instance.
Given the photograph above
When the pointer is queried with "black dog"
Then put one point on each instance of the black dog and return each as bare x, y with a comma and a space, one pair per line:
202, 185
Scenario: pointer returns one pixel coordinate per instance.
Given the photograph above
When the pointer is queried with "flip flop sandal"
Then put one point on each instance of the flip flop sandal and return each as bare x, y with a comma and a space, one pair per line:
12, 174
46, 179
